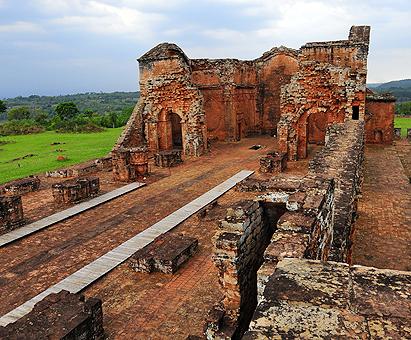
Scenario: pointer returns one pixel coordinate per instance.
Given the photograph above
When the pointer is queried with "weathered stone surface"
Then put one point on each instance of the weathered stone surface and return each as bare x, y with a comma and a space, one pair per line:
20, 186
59, 316
168, 158
312, 299
165, 254
11, 213
129, 163
72, 191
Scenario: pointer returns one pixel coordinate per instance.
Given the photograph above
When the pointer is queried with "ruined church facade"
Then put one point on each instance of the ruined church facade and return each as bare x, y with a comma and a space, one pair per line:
292, 94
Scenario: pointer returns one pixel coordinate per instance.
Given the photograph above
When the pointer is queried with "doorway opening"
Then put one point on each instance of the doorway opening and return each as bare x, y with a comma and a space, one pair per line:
355, 112
378, 136
176, 132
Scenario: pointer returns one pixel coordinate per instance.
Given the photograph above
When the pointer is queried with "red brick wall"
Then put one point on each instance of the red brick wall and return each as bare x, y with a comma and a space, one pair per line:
379, 122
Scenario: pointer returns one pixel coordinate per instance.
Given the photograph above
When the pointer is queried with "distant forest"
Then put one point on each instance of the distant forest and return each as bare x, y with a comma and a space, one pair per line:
101, 103
401, 89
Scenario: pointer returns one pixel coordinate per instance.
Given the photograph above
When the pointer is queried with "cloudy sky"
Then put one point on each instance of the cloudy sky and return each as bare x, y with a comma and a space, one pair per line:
51, 47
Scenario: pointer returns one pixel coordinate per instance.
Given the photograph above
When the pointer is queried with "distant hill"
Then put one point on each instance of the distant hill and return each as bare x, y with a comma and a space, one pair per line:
98, 102
404, 83
401, 89
373, 85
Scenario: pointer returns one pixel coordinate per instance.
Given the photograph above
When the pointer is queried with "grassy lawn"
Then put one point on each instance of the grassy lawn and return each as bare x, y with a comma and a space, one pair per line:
77, 148
403, 123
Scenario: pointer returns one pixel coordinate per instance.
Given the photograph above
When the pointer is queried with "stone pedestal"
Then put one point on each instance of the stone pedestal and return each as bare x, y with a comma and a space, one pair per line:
165, 254
139, 160
75, 190
11, 212
168, 158
122, 169
273, 162
397, 133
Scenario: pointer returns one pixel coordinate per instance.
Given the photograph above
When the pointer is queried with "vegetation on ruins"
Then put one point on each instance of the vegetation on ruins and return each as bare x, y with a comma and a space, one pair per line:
21, 156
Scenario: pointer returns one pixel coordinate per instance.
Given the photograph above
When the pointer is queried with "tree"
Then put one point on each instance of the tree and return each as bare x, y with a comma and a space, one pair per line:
3, 106
66, 111
18, 113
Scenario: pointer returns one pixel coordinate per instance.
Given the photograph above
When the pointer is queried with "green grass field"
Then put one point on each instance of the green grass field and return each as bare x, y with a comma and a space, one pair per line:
77, 148
403, 123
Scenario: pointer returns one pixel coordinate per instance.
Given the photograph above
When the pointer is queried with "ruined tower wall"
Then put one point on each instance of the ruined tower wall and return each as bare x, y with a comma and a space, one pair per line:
328, 88
166, 89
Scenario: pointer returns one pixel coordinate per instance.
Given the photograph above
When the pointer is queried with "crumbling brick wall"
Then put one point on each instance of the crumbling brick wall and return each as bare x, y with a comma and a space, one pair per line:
11, 213
328, 88
60, 315
240, 244
294, 208
379, 118
342, 159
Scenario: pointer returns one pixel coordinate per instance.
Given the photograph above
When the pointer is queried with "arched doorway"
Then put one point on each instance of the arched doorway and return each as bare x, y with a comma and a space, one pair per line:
176, 132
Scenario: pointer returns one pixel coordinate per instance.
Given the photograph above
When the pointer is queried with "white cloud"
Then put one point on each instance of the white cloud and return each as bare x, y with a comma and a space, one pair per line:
21, 27
102, 18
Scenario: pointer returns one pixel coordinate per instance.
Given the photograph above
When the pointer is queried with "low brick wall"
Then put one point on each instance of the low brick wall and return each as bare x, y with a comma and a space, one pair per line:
20, 186
104, 163
72, 191
342, 159
59, 316
11, 213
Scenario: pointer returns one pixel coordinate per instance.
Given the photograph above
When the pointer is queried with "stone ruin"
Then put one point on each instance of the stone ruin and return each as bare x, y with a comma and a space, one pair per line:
60, 315
294, 94
72, 191
283, 256
11, 213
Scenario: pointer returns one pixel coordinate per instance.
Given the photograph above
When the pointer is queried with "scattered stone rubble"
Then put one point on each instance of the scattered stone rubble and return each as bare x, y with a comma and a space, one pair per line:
72, 191
59, 316
166, 254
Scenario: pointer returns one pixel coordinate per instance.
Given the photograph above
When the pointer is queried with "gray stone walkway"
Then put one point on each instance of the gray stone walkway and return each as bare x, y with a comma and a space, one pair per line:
48, 221
79, 280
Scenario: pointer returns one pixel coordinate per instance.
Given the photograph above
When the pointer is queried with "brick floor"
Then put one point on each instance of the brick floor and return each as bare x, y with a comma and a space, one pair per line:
382, 236
152, 306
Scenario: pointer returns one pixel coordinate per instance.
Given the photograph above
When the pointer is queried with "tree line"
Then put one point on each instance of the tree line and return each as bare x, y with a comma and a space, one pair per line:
66, 116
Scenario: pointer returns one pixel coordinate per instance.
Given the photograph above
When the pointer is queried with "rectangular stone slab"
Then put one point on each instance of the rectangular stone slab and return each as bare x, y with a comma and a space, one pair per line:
165, 254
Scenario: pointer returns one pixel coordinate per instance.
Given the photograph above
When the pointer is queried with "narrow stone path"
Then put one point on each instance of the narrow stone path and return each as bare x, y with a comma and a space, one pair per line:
382, 236
79, 280
60, 216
